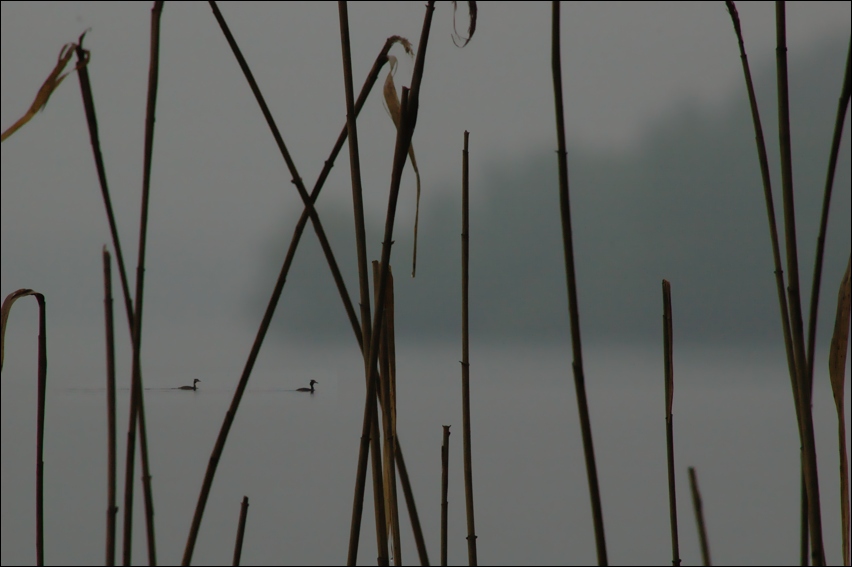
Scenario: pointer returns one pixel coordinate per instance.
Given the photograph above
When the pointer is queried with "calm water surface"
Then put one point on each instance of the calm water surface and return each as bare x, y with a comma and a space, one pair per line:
294, 455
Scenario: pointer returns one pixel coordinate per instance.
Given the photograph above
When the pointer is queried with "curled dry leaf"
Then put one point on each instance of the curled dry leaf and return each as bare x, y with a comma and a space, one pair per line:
837, 372
53, 80
393, 106
4, 315
471, 29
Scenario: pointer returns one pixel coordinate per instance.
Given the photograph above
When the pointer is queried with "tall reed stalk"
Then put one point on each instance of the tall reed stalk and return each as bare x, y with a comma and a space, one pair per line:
363, 278
465, 364
779, 270
699, 516
568, 246
445, 483
241, 530
112, 509
669, 370
408, 120
42, 392
837, 137
387, 397
796, 324
137, 404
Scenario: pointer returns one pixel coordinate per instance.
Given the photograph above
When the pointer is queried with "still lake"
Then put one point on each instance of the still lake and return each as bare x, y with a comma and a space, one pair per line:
294, 455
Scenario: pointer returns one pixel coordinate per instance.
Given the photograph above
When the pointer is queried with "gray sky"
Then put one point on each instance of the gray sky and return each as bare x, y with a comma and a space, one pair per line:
220, 189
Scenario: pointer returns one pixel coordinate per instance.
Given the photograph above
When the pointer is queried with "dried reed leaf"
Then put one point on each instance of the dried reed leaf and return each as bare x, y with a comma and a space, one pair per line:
837, 372
4, 316
50, 84
840, 342
393, 106
471, 29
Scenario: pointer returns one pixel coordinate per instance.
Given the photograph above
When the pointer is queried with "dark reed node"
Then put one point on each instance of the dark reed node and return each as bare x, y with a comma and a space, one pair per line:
669, 389
568, 246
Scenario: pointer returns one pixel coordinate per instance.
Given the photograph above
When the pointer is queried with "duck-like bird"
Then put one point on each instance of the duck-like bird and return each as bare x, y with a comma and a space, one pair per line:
193, 387
311, 389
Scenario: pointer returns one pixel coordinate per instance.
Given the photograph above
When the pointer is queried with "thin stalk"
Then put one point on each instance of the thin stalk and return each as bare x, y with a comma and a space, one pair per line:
363, 276
137, 405
387, 399
94, 137
42, 391
763, 161
699, 516
669, 370
241, 530
445, 483
412, 507
112, 510
408, 120
465, 364
839, 121
297, 180
568, 245
381, 59
796, 325
42, 394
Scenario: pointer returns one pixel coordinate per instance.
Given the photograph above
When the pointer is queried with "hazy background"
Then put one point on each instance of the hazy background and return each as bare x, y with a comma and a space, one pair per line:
664, 184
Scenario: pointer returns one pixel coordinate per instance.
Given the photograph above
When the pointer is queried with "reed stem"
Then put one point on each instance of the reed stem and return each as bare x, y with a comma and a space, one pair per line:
837, 137
40, 410
763, 161
137, 405
799, 356
241, 530
363, 278
419, 541
699, 517
468, 465
112, 509
445, 483
387, 397
669, 370
568, 246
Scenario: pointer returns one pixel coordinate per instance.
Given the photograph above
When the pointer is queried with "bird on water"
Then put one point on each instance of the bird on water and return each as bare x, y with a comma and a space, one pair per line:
193, 387
311, 389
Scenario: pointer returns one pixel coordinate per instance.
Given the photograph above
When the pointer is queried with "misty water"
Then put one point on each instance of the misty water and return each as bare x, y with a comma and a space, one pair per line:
294, 455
